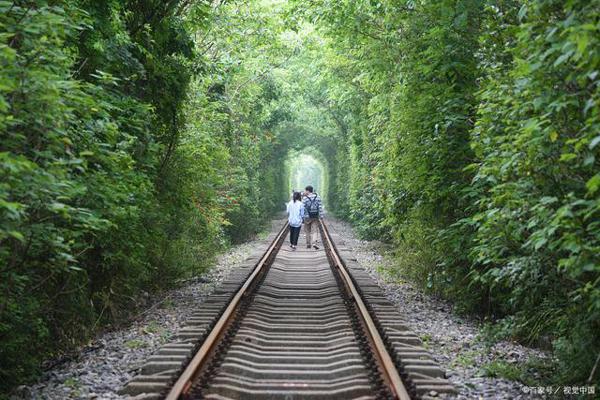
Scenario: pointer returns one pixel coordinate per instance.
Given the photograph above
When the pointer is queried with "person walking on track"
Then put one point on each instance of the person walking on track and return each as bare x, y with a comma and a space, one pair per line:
313, 210
295, 210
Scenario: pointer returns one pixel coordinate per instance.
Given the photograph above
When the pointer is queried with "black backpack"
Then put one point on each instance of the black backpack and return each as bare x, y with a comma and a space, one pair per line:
312, 207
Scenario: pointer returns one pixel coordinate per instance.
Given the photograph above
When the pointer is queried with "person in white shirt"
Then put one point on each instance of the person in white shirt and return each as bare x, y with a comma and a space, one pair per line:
295, 210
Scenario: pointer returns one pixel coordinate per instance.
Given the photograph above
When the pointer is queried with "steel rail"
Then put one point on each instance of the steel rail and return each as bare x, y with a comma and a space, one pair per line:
391, 375
185, 381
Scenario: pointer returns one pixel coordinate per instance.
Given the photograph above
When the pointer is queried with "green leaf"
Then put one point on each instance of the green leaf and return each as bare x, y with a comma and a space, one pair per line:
16, 235
564, 57
590, 267
568, 157
583, 40
539, 243
593, 184
522, 12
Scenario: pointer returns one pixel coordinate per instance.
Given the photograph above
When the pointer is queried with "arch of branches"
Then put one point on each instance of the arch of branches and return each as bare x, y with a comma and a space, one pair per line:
307, 166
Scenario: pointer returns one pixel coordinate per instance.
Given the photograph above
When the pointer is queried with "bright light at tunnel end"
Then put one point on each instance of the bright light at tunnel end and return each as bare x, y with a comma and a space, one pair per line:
305, 169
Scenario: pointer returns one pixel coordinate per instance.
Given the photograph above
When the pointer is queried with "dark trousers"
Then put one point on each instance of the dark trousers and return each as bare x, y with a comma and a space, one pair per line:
294, 233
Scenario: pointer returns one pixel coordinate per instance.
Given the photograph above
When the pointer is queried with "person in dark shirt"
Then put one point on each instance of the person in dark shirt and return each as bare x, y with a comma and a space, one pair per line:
313, 211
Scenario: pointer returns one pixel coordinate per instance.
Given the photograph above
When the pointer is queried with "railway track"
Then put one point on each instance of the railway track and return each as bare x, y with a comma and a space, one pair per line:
304, 324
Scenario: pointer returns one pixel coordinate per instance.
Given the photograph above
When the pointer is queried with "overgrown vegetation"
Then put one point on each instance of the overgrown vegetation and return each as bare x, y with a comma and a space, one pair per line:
114, 179
140, 136
471, 131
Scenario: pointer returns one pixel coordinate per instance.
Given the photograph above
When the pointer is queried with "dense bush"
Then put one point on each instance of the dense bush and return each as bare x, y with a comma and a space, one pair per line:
537, 235
140, 136
472, 140
112, 181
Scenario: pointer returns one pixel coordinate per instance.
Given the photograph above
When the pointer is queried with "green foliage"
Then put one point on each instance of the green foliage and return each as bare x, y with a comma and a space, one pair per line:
471, 143
537, 237
140, 136
112, 180
502, 369
45, 221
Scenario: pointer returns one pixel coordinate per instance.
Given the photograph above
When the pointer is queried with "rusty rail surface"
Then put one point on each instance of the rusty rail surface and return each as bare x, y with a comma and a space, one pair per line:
309, 323
391, 375
200, 359
297, 291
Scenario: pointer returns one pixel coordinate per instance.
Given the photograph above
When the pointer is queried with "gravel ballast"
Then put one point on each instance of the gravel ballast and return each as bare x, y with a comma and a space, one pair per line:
113, 358
452, 339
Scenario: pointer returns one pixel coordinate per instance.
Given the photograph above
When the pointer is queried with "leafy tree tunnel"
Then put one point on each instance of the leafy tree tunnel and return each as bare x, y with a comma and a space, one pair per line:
305, 169
142, 137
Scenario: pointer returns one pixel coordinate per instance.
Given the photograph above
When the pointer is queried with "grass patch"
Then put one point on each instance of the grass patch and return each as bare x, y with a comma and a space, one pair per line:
264, 232
71, 383
135, 344
533, 372
165, 336
426, 338
503, 369
263, 235
168, 303
152, 327
465, 359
